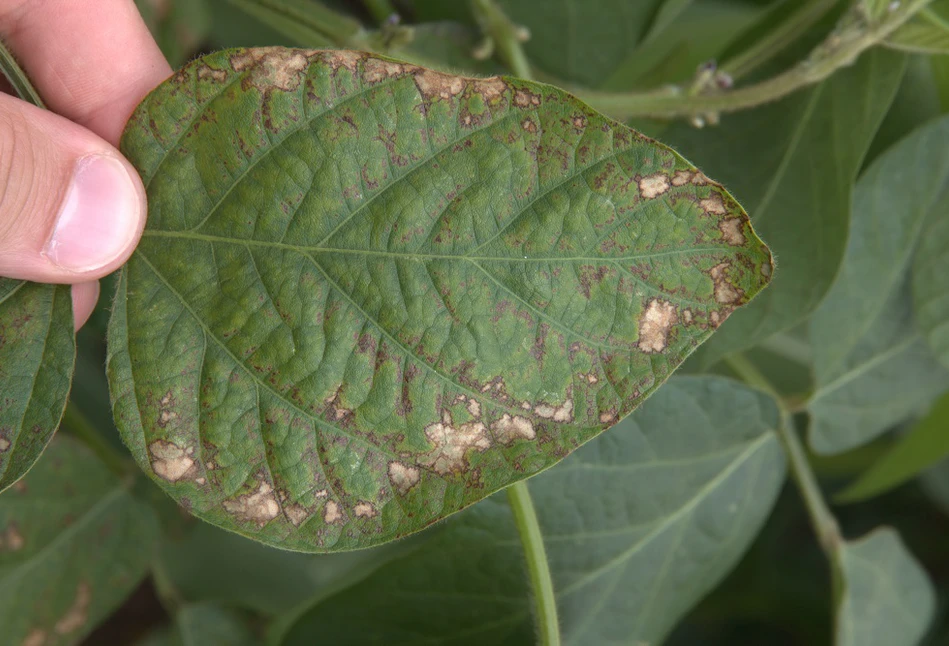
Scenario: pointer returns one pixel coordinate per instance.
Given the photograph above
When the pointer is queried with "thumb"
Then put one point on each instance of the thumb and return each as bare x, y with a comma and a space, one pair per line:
71, 207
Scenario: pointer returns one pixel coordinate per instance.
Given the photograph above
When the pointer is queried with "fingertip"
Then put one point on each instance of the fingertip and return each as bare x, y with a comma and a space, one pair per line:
84, 299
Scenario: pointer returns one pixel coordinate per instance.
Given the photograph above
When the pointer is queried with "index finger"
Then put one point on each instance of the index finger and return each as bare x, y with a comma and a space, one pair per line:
92, 61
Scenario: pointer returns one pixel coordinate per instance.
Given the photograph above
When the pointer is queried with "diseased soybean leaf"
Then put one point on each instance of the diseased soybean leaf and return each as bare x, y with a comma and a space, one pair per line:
872, 369
638, 525
370, 294
37, 356
887, 599
925, 444
931, 276
792, 165
73, 544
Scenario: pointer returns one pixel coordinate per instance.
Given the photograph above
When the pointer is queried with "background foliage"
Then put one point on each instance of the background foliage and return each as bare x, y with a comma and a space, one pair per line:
679, 524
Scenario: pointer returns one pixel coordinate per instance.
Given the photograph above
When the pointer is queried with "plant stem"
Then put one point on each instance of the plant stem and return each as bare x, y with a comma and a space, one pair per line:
822, 519
853, 35
380, 9
80, 426
506, 35
776, 40
525, 518
18, 78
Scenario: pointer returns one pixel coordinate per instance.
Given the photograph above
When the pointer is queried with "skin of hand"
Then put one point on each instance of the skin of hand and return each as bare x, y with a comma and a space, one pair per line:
72, 208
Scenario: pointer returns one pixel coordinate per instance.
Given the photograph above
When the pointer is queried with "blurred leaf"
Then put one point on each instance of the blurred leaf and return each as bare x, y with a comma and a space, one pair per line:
232, 27
37, 357
887, 599
638, 525
916, 102
923, 446
178, 26
792, 164
572, 40
305, 22
210, 564
446, 46
940, 67
935, 482
697, 35
73, 545
872, 369
931, 273
204, 624
925, 33
327, 345
665, 15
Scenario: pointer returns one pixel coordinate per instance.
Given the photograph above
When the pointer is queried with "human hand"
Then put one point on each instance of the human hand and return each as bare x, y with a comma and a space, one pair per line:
71, 207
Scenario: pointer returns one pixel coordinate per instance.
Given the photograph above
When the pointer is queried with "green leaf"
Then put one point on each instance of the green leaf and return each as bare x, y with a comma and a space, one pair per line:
792, 165
923, 446
638, 526
37, 356
871, 367
73, 545
200, 566
931, 278
887, 598
204, 623
925, 33
370, 294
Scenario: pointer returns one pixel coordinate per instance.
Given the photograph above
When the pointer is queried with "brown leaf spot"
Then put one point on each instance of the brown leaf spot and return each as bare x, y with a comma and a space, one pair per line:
562, 413
653, 185
296, 514
206, 73
713, 204
525, 98
682, 177
271, 68
4, 444
655, 324
451, 443
77, 614
259, 507
343, 58
529, 126
490, 88
508, 429
403, 477
731, 231
332, 513
608, 416
170, 461
725, 292
377, 69
435, 85
364, 509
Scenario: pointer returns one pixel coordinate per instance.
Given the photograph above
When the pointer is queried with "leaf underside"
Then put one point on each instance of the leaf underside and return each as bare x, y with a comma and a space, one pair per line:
371, 294
37, 355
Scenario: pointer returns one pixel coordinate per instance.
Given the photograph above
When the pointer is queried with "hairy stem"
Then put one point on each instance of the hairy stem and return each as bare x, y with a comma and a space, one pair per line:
776, 40
80, 427
525, 518
853, 35
18, 79
822, 519
506, 35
